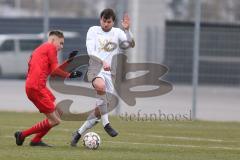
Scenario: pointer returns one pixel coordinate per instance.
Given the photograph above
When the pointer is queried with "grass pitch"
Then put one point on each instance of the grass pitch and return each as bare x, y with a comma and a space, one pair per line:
182, 140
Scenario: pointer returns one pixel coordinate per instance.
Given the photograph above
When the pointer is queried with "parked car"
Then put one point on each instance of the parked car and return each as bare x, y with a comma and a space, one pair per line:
15, 50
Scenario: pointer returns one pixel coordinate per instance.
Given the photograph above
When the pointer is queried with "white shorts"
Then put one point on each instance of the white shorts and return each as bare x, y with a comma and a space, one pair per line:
108, 81
107, 77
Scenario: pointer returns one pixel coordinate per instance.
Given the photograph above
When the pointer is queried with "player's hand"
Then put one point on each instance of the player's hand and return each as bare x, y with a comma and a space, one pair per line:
126, 22
72, 55
75, 74
106, 66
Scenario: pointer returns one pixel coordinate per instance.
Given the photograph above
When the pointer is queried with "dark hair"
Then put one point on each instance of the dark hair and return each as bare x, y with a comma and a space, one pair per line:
57, 33
107, 14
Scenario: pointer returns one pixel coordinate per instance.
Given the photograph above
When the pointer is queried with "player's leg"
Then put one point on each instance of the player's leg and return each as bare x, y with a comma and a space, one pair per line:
101, 102
54, 120
46, 106
108, 93
91, 121
40, 129
100, 111
100, 85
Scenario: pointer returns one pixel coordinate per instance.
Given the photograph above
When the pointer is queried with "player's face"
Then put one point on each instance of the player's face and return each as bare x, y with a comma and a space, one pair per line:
59, 42
106, 24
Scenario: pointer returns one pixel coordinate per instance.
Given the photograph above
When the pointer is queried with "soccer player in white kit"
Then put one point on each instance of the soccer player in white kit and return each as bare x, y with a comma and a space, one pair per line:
102, 44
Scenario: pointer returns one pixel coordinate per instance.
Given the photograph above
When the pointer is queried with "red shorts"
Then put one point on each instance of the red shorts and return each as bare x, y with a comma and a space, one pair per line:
43, 99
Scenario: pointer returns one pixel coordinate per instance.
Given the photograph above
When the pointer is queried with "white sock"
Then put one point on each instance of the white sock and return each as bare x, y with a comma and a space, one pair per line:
102, 105
91, 121
105, 119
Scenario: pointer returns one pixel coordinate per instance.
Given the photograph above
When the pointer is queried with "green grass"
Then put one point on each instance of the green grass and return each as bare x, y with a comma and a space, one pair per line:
182, 140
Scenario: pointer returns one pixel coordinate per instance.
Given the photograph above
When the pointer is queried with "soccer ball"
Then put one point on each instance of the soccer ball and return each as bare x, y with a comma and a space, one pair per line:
91, 140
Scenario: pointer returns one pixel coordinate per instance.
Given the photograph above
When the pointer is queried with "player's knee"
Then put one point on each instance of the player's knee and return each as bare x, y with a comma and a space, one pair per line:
54, 122
100, 88
99, 85
58, 121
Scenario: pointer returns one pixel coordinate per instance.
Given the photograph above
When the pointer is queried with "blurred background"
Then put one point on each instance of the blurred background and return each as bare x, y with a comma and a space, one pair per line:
198, 40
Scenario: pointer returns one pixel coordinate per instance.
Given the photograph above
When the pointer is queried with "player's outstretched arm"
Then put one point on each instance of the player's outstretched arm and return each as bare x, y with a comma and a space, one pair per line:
126, 26
126, 22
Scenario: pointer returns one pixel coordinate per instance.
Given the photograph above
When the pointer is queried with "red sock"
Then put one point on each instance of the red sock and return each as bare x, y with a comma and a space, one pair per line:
37, 128
38, 137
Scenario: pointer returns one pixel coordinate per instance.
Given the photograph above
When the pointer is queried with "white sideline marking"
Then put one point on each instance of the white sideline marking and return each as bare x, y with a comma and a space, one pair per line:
173, 145
162, 145
182, 138
137, 134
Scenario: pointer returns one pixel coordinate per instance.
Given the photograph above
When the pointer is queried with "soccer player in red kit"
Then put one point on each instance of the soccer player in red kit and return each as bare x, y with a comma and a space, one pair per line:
43, 62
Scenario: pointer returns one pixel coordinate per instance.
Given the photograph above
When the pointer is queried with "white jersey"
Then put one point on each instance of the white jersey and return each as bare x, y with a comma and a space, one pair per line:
103, 45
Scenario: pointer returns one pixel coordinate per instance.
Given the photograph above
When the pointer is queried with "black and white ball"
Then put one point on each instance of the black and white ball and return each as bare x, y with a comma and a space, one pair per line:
91, 140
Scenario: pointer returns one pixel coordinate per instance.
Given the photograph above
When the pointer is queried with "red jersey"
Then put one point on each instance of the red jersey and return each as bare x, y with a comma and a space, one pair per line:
42, 62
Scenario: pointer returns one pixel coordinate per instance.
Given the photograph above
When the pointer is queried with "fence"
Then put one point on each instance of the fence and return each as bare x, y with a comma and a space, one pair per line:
218, 92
